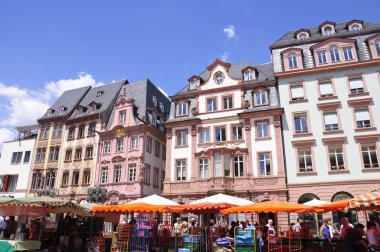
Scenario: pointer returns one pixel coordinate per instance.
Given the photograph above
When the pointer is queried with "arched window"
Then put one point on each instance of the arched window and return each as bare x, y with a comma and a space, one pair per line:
307, 197
303, 36
351, 215
334, 53
219, 77
292, 58
327, 31
309, 217
377, 45
355, 27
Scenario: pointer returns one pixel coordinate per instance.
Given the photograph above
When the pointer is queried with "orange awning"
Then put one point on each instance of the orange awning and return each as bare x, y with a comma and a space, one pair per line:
201, 208
269, 206
128, 208
367, 201
337, 206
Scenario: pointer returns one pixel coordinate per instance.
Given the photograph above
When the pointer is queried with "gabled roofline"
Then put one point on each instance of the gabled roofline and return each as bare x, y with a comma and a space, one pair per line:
354, 21
249, 67
326, 23
291, 49
343, 40
218, 62
300, 31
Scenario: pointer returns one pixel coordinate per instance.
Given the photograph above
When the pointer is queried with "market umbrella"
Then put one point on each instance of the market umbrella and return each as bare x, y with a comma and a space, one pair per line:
155, 200
223, 198
129, 208
337, 206
201, 208
269, 206
313, 203
367, 201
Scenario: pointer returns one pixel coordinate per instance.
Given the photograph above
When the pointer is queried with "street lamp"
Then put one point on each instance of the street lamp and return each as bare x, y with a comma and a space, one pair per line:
46, 192
97, 194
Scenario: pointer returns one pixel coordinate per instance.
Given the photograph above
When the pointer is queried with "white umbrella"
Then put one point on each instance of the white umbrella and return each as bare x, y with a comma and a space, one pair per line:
155, 200
223, 198
315, 202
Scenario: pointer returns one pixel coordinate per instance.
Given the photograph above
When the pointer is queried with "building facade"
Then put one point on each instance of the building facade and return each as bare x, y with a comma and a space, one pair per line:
48, 149
329, 87
16, 161
80, 141
224, 135
132, 151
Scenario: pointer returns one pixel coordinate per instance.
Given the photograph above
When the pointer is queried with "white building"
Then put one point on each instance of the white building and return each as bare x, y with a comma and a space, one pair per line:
15, 163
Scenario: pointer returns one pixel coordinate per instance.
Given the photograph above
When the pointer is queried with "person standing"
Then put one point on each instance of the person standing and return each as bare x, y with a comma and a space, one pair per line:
326, 231
344, 227
353, 239
373, 234
177, 227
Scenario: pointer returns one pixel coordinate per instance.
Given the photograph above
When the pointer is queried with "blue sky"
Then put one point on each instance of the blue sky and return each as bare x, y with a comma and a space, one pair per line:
49, 46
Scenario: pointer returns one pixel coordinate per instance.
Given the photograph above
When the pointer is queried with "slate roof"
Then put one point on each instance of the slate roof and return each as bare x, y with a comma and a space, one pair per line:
69, 99
142, 92
106, 100
265, 73
316, 35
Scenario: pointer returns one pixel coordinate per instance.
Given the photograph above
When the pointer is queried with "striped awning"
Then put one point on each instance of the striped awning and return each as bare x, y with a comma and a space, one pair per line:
368, 201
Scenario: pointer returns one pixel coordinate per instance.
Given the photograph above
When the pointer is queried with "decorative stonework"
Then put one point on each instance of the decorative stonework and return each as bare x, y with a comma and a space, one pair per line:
266, 181
179, 186
130, 188
117, 159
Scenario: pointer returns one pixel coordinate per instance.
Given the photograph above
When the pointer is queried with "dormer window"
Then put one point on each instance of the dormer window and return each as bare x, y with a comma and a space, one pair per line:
154, 99
182, 108
162, 107
377, 46
248, 75
154, 118
194, 83
303, 36
99, 93
328, 31
334, 53
356, 27
292, 59
82, 110
49, 112
219, 77
61, 110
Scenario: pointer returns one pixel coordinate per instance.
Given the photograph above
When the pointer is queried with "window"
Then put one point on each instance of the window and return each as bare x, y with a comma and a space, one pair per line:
82, 110
326, 89
194, 83
328, 31
248, 75
355, 27
262, 129
227, 102
182, 109
75, 180
205, 136
265, 164
297, 92
99, 93
49, 179
9, 183
181, 169
181, 138
303, 36
16, 157
119, 145
162, 179
86, 177
54, 154
117, 175
218, 166
81, 132
322, 59
347, 51
36, 180
149, 144
27, 157
134, 142
78, 154
239, 166
122, 116
292, 59
300, 123
331, 121
370, 158
211, 104
377, 45
71, 134
163, 152
104, 175
146, 178
65, 179
157, 148
356, 85
57, 131
61, 110
154, 100
203, 168
336, 158
40, 157
68, 155
155, 177
91, 130
220, 134
89, 152
261, 97
334, 53
162, 107
49, 112
107, 147
219, 77
305, 163
363, 119
44, 133
237, 133
154, 119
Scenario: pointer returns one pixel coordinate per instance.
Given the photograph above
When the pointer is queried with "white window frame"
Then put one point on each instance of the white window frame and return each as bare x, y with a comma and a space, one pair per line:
134, 142
335, 152
203, 168
181, 169
117, 176
213, 105
107, 147
322, 57
205, 135
367, 151
292, 60
104, 175
235, 132
119, 145
122, 116
132, 169
305, 156
238, 166
265, 159
261, 133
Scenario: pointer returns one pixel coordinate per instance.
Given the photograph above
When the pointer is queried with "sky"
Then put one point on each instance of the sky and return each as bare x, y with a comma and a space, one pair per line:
47, 47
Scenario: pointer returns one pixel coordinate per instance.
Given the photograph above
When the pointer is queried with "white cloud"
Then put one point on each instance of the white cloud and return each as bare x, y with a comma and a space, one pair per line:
23, 106
230, 32
225, 56
5, 135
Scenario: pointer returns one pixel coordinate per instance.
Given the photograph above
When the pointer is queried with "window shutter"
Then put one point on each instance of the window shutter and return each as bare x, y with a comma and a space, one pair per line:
325, 88
356, 83
362, 114
297, 91
331, 118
